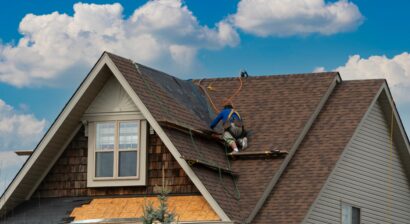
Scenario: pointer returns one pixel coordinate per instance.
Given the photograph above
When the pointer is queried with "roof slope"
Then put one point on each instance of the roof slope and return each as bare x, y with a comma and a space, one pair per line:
275, 109
320, 150
163, 104
167, 105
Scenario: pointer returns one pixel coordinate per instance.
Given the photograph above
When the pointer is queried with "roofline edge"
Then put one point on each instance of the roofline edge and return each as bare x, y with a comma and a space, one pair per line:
399, 124
54, 127
396, 114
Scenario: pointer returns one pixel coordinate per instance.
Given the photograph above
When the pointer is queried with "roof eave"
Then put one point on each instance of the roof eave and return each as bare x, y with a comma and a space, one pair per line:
67, 109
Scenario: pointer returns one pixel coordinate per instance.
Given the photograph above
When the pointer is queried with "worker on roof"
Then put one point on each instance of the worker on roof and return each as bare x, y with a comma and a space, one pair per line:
234, 131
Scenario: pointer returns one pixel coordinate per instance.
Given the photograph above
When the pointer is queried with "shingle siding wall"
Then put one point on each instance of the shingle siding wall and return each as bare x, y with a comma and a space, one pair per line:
68, 177
362, 179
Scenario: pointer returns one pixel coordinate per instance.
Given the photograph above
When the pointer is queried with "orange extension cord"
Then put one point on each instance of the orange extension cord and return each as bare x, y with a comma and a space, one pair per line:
229, 99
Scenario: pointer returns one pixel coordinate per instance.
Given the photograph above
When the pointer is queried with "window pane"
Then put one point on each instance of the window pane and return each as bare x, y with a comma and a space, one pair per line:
128, 135
128, 164
104, 164
346, 214
355, 215
105, 136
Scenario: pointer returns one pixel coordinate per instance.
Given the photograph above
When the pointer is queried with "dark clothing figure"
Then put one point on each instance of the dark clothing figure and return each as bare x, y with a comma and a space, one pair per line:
233, 128
224, 115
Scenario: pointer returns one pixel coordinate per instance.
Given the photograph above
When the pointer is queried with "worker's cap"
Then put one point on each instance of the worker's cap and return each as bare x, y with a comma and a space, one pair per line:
227, 103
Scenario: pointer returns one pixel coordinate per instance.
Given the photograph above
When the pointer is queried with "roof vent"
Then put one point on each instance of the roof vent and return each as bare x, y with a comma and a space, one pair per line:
244, 74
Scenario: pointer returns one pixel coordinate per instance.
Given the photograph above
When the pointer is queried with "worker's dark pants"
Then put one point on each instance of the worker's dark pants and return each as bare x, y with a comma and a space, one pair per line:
232, 134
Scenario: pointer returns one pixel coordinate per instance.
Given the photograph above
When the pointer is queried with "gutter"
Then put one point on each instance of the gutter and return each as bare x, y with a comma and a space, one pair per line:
292, 151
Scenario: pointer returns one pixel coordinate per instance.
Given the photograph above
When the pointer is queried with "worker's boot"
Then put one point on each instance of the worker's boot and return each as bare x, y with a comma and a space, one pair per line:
243, 143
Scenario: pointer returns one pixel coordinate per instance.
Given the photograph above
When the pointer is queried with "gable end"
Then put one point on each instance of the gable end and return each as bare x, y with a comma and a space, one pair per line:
372, 173
68, 123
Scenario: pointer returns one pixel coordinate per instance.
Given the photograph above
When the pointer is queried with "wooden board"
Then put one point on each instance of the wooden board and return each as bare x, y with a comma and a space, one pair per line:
197, 162
23, 152
257, 154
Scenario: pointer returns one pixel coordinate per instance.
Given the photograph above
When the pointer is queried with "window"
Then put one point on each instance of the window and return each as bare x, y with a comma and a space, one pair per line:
350, 214
116, 152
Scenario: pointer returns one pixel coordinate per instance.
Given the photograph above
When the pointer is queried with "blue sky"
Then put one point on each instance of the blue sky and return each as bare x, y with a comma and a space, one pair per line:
373, 34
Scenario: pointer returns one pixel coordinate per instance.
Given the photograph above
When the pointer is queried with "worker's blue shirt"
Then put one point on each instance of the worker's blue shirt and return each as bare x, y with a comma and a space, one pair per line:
223, 115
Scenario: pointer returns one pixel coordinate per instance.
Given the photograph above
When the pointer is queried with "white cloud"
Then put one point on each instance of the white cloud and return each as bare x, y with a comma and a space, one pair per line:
17, 130
296, 17
319, 69
395, 70
10, 163
59, 46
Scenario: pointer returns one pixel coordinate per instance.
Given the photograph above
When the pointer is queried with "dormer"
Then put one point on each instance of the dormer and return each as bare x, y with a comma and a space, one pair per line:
117, 139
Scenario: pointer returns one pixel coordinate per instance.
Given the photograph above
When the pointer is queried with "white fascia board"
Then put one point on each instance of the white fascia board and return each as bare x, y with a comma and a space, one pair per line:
50, 165
53, 129
399, 123
165, 139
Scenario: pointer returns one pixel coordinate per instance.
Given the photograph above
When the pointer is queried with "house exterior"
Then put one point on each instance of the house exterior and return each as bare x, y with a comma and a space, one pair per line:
129, 128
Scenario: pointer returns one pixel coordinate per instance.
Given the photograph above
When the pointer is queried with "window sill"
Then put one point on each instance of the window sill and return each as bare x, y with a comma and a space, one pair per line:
116, 182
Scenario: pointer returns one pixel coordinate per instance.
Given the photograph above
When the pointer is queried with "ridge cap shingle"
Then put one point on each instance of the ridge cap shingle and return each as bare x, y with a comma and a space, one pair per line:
292, 75
229, 77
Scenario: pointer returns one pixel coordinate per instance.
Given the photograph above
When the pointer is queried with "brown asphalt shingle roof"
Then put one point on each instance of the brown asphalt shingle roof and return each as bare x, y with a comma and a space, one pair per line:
275, 109
161, 105
164, 107
316, 157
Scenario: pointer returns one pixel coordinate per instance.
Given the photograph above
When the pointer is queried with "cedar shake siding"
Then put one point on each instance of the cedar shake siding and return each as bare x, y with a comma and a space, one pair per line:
68, 177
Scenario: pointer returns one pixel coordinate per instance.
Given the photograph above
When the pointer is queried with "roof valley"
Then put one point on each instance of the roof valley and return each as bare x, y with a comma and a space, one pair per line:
293, 150
322, 85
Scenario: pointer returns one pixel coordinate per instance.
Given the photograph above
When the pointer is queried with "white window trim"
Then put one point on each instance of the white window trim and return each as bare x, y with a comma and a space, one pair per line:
350, 206
140, 179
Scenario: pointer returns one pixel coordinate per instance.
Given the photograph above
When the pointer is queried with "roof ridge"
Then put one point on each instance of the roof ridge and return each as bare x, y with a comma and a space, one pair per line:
270, 76
229, 77
364, 80
116, 55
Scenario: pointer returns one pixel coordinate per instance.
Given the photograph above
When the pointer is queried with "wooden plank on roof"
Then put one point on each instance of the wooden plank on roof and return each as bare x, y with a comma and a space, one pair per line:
215, 167
269, 154
207, 134
23, 152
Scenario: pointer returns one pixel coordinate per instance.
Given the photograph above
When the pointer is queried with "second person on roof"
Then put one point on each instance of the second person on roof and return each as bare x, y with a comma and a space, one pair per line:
234, 131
